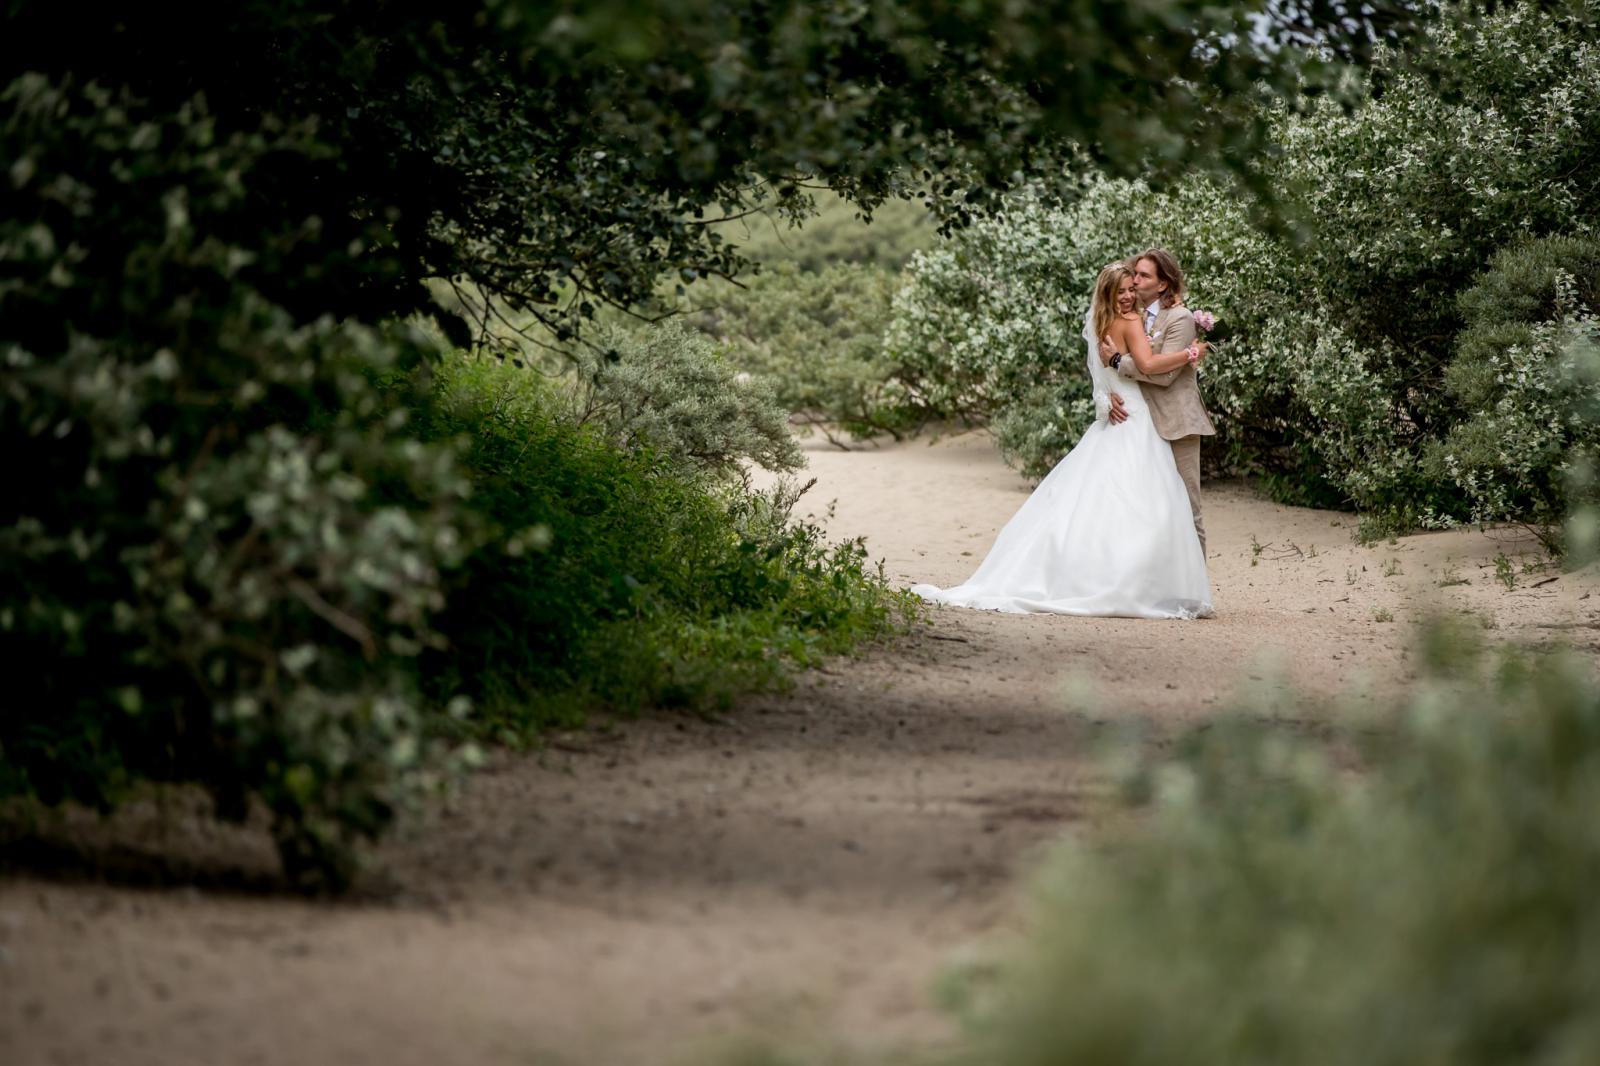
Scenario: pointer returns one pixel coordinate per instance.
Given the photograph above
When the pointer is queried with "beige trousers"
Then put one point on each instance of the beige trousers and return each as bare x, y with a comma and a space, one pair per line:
1186, 454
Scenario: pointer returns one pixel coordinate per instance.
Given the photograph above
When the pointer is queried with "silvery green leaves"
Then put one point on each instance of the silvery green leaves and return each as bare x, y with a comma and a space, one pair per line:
1532, 436
816, 338
221, 556
672, 391
1279, 907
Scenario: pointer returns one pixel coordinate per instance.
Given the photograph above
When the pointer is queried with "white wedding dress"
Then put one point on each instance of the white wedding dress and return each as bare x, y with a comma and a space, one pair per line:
1107, 532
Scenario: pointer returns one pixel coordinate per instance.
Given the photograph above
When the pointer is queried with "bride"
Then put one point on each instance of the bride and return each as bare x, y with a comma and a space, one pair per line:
1109, 530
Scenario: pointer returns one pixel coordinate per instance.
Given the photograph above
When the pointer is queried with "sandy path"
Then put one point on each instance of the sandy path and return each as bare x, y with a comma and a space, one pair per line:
806, 866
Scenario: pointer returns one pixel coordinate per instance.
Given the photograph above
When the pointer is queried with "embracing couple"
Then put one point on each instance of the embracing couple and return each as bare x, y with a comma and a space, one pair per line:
1115, 528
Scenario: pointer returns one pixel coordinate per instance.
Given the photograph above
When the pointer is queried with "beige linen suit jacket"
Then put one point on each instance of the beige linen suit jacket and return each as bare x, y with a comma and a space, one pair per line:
1175, 407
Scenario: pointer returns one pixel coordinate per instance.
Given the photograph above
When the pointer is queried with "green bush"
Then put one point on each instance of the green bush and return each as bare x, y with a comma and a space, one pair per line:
206, 574
1530, 421
667, 389
1433, 903
620, 578
1581, 531
1041, 426
810, 324
816, 339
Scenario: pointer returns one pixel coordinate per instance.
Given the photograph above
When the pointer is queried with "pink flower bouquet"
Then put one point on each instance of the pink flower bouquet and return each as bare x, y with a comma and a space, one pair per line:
1215, 331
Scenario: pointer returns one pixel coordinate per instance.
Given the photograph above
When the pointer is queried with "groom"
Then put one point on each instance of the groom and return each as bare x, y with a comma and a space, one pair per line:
1175, 406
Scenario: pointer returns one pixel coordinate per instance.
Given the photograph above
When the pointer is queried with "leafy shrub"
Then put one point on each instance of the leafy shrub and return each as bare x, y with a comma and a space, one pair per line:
1434, 905
816, 339
1530, 418
620, 577
1581, 531
668, 390
205, 572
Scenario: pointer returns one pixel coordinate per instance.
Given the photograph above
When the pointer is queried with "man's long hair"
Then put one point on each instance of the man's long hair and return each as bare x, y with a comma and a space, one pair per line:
1167, 270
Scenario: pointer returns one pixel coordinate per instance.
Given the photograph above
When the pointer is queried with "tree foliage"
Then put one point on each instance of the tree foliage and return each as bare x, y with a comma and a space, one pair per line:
563, 156
222, 552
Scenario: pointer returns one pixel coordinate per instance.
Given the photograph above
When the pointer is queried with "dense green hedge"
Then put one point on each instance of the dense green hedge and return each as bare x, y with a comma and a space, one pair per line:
1531, 422
205, 574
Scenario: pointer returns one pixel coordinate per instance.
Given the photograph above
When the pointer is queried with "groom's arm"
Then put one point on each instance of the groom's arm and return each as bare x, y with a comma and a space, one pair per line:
1126, 368
1178, 335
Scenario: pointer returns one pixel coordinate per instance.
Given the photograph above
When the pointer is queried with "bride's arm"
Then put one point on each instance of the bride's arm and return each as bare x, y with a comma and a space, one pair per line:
1144, 359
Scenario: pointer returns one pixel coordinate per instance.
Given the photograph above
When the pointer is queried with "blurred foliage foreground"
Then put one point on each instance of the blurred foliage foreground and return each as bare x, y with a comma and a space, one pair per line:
1416, 888
1414, 884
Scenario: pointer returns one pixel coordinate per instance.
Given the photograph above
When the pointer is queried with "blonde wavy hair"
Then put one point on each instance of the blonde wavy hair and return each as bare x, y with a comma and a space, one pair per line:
1105, 296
